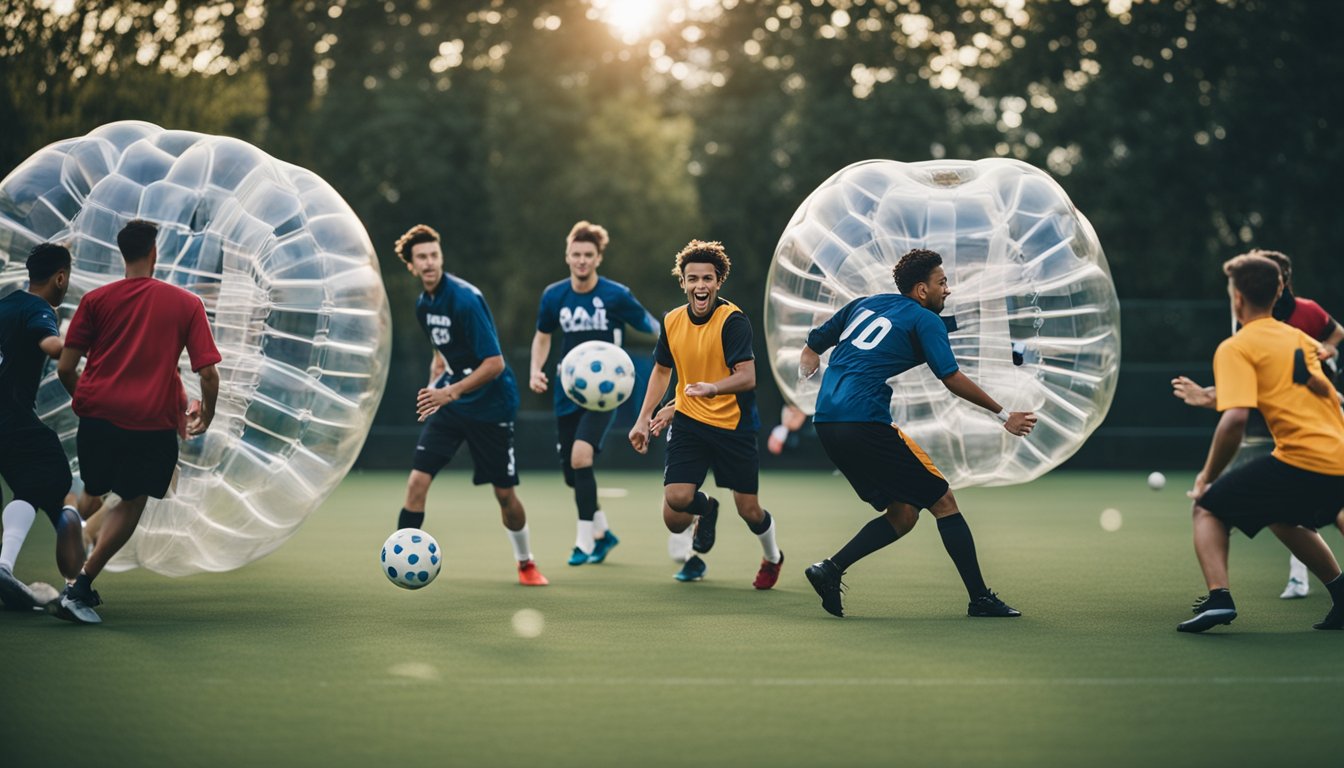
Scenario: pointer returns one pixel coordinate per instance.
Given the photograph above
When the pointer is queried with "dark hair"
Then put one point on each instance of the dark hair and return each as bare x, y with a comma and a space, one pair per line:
587, 232
414, 236
136, 239
45, 260
1255, 277
703, 252
1281, 259
914, 268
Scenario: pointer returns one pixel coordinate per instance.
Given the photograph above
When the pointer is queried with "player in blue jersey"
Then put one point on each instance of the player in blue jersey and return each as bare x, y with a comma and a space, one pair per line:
32, 461
471, 397
584, 307
876, 338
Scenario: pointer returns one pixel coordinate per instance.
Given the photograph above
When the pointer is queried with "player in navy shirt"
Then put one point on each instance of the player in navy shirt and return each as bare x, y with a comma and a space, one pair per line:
471, 396
584, 307
876, 338
32, 461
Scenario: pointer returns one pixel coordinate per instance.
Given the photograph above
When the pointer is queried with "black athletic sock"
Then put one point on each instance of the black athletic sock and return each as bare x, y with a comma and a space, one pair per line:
1336, 589
960, 546
877, 534
762, 526
83, 583
409, 519
699, 505
585, 492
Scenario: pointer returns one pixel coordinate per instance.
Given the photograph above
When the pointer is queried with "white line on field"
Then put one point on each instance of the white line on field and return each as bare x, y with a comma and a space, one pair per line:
899, 682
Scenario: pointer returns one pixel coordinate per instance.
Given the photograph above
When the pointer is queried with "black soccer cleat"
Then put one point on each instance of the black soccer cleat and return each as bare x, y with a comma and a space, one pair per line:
989, 605
1214, 610
1333, 620
703, 539
825, 579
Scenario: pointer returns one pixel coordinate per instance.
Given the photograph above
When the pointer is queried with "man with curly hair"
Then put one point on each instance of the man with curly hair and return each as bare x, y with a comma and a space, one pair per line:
711, 420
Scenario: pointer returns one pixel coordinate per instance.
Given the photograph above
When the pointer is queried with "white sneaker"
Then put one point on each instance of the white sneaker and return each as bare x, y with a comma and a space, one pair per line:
14, 593
77, 608
1296, 588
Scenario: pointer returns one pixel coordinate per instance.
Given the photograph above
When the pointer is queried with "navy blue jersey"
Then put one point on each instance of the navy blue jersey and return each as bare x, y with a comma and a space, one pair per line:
459, 325
25, 321
876, 338
598, 315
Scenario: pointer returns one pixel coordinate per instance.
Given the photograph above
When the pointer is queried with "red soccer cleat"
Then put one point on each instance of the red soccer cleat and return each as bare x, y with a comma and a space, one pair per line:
769, 573
530, 576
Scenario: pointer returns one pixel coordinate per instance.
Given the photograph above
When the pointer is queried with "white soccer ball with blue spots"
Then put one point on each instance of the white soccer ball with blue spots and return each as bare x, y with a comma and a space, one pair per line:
598, 375
411, 558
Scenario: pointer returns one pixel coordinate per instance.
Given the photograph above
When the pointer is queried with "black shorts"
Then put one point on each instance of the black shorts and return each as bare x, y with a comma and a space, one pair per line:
589, 426
1266, 490
882, 464
490, 443
128, 462
33, 463
694, 448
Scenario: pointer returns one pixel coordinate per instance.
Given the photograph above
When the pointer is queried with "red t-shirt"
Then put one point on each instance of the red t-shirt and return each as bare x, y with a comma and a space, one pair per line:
133, 332
1309, 318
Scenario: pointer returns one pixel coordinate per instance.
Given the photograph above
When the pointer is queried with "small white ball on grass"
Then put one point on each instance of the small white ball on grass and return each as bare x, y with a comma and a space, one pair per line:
1110, 520
1156, 481
528, 623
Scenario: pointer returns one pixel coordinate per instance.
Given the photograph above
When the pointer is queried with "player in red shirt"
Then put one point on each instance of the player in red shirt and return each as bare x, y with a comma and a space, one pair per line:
128, 398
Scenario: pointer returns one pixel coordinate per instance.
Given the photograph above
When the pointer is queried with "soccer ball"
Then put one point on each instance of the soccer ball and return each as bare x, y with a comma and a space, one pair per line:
411, 558
598, 375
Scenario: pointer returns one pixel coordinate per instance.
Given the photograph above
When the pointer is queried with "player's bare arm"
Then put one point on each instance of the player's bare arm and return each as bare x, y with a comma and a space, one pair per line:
201, 412
809, 362
659, 378
1193, 394
541, 349
67, 368
1226, 438
430, 399
1019, 423
742, 379
51, 347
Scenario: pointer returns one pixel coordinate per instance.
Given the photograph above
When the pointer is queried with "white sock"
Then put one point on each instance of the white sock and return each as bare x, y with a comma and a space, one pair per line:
17, 519
768, 545
522, 547
600, 526
1297, 569
679, 545
584, 541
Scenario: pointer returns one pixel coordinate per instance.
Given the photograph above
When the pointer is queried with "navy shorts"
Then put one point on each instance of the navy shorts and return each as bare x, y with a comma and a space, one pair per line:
128, 462
694, 448
490, 443
33, 463
589, 426
882, 464
1265, 491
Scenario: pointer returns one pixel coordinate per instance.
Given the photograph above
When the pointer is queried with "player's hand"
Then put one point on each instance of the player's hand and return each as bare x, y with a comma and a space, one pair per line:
539, 382
1020, 423
1201, 485
639, 437
662, 419
1191, 393
701, 389
198, 420
432, 399
1326, 352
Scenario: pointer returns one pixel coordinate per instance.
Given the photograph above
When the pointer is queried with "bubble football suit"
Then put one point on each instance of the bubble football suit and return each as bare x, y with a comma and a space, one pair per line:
291, 286
1033, 316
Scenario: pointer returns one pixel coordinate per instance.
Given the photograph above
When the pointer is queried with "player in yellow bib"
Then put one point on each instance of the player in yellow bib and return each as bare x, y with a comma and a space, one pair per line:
713, 423
1299, 487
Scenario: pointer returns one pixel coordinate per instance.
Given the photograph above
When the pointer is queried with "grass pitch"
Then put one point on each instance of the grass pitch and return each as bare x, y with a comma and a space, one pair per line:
311, 658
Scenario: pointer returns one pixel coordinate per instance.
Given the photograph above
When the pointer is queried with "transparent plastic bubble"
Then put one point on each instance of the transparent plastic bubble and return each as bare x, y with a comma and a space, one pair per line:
1037, 321
291, 285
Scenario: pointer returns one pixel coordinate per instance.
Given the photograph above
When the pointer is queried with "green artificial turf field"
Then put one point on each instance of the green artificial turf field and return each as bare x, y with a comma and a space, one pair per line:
310, 657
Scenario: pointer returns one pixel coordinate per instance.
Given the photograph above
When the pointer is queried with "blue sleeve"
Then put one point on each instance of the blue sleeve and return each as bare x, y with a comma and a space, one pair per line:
477, 327
937, 349
633, 314
737, 339
43, 324
827, 335
548, 314
662, 353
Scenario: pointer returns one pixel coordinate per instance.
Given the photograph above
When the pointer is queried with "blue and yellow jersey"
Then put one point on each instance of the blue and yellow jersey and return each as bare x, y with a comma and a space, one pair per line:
707, 349
1265, 366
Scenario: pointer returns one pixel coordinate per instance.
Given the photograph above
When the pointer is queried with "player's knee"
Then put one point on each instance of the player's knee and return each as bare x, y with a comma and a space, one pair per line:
680, 500
581, 455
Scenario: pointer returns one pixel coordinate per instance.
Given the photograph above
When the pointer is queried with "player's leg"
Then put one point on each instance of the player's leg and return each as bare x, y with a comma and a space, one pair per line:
585, 499
588, 440
737, 465
960, 545
38, 472
1298, 586
492, 453
439, 440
